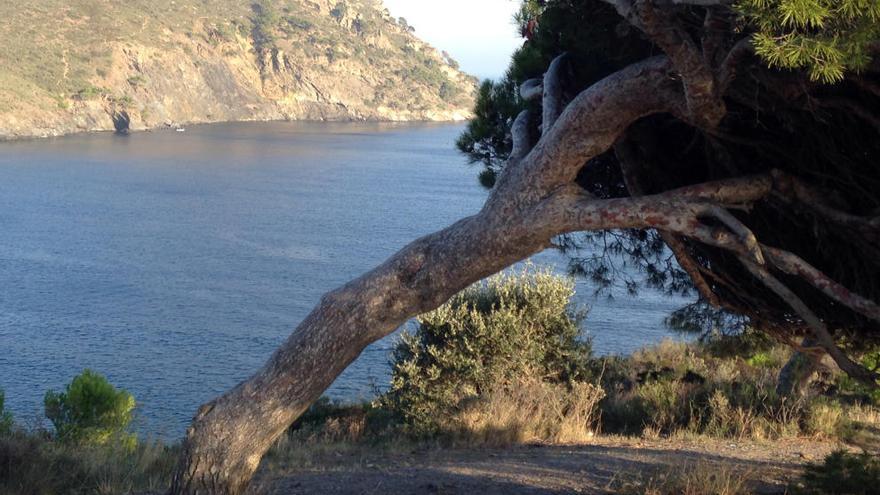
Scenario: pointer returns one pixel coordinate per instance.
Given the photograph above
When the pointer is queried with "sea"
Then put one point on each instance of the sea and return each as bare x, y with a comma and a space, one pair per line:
174, 263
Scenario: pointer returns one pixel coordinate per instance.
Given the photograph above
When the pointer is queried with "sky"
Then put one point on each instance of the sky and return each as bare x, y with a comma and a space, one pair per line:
478, 33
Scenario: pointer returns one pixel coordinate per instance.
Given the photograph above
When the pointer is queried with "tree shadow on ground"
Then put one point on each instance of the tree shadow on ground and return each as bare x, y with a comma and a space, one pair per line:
522, 471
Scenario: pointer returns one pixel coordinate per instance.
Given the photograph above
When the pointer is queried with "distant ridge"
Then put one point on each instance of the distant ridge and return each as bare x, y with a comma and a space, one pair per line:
90, 65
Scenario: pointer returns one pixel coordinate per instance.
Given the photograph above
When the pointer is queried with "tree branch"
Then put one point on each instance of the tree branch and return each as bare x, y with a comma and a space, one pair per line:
793, 188
794, 265
552, 102
746, 237
589, 126
522, 140
531, 89
705, 104
572, 209
728, 69
820, 331
631, 167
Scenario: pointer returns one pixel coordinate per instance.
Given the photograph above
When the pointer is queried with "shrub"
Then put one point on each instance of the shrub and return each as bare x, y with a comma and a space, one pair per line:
482, 341
841, 473
339, 11
89, 93
90, 411
5, 416
747, 344
665, 402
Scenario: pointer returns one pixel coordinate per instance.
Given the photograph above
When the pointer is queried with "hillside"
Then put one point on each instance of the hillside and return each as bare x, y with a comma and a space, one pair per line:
84, 65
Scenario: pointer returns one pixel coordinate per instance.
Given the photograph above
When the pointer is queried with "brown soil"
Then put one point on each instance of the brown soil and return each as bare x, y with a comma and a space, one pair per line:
534, 470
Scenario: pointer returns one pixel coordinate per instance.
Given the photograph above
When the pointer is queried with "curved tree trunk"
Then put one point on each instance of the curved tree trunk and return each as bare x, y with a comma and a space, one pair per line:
230, 435
534, 200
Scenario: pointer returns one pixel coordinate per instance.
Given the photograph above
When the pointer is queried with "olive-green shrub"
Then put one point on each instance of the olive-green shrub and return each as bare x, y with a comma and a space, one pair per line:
91, 411
487, 337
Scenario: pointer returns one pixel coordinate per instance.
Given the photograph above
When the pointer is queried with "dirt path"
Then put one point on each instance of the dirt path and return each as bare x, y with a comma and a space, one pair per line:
542, 469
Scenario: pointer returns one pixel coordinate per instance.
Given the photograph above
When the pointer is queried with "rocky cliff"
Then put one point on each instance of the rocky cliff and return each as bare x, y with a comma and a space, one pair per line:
87, 65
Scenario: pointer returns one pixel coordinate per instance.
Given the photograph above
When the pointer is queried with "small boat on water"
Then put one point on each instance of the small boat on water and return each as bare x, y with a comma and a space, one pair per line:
180, 129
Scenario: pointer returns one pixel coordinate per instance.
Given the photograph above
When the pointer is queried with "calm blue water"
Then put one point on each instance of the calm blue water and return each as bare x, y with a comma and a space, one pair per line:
175, 263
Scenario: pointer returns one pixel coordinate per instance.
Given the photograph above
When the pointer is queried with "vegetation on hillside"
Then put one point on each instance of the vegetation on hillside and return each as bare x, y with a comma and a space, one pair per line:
59, 56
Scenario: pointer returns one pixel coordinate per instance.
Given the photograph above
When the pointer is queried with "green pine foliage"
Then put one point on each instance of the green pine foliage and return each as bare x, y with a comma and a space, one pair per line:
488, 335
487, 139
824, 37
91, 411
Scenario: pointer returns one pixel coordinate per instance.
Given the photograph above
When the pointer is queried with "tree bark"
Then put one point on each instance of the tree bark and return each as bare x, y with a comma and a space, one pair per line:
798, 371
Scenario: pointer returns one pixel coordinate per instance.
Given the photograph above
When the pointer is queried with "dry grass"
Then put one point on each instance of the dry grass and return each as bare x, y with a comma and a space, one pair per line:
725, 390
33, 464
861, 427
702, 478
527, 411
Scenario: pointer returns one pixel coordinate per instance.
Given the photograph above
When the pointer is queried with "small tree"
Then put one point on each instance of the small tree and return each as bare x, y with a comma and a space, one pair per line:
90, 411
265, 22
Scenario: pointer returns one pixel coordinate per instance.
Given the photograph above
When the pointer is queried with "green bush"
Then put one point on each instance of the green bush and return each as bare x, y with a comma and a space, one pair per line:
5, 416
89, 93
842, 473
485, 337
91, 411
339, 11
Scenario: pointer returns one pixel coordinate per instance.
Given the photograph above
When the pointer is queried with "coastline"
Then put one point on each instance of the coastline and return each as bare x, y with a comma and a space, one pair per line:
37, 134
